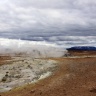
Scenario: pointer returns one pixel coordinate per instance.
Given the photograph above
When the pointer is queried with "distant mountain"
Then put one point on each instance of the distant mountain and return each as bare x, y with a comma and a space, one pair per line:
82, 48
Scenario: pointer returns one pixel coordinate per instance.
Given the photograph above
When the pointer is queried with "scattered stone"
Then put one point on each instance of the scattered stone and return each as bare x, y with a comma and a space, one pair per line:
4, 79
40, 93
6, 74
32, 91
93, 90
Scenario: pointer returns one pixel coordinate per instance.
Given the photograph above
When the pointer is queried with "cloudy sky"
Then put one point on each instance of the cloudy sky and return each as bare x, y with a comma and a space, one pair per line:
21, 18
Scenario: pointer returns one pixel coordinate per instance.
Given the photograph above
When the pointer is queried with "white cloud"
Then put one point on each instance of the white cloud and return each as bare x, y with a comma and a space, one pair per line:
48, 16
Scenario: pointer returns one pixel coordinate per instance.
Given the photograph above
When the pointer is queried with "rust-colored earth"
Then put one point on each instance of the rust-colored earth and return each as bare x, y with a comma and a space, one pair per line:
3, 59
74, 77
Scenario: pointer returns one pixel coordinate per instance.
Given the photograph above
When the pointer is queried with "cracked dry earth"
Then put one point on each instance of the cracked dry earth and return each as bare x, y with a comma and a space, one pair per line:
74, 77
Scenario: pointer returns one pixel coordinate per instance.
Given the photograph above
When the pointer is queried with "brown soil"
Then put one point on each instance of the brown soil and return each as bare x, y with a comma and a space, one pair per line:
3, 59
82, 53
74, 77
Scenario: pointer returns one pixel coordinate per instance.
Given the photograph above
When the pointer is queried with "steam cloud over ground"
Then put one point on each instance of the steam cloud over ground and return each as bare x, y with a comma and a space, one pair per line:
34, 49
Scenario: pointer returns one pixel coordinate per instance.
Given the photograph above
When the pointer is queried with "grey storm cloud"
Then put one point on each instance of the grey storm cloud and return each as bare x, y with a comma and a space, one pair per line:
77, 17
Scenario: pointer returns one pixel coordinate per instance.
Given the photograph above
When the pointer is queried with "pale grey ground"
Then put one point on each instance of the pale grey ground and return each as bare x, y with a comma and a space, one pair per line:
21, 71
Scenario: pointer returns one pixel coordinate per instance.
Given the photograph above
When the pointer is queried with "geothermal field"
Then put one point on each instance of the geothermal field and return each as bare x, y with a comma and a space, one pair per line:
20, 70
39, 70
74, 75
